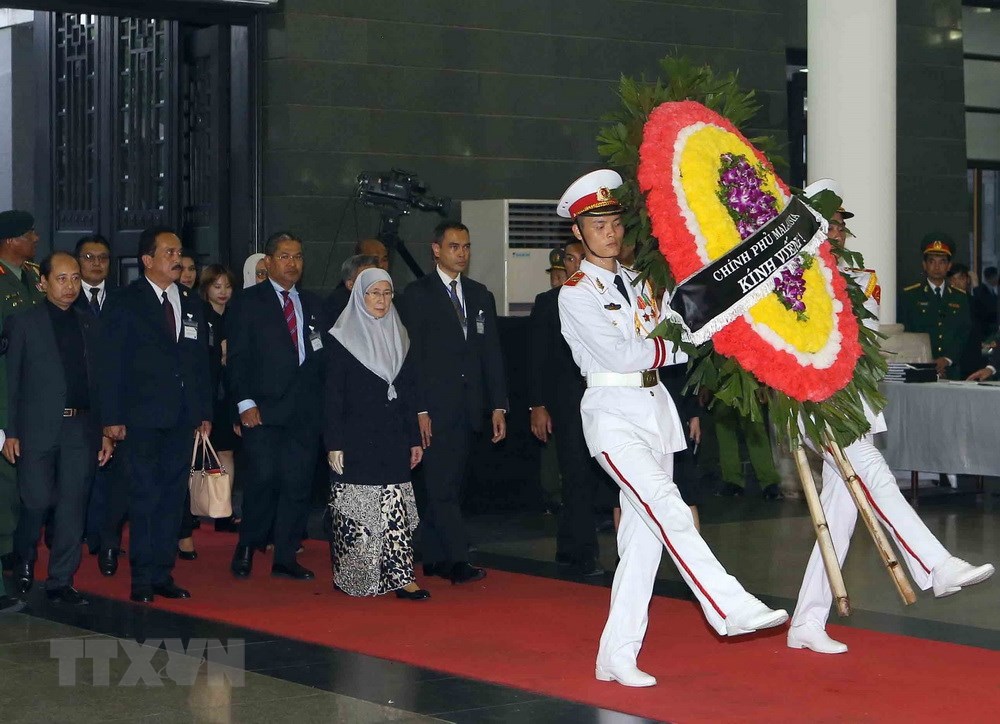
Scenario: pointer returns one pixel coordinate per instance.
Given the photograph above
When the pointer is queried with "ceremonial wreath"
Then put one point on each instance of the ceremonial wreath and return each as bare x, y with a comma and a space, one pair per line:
757, 302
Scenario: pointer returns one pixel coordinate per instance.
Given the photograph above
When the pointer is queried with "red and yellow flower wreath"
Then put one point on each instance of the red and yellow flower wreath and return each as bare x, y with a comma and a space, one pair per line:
685, 150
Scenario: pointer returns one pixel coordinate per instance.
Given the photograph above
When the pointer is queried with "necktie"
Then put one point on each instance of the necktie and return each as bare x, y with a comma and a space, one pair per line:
457, 304
621, 288
937, 290
168, 313
289, 309
95, 303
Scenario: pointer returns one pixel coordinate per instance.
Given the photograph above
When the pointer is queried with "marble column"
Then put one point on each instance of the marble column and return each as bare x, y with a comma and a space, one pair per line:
851, 132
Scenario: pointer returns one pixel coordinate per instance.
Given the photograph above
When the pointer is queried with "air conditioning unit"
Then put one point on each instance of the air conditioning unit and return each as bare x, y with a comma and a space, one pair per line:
511, 241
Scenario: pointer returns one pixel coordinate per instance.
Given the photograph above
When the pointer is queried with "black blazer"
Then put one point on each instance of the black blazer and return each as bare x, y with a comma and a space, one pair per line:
374, 432
36, 382
147, 378
459, 379
335, 304
554, 380
82, 302
263, 364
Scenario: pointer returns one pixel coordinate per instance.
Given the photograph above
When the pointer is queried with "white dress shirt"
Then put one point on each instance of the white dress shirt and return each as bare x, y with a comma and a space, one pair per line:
102, 292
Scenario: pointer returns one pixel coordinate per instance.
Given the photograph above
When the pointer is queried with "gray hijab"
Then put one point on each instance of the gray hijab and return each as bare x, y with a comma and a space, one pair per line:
378, 344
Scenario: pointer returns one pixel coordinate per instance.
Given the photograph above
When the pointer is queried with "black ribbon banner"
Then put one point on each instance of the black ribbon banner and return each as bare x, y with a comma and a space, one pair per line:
724, 283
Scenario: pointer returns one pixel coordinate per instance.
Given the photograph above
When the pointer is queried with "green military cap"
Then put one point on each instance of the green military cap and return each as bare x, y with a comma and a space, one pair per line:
14, 223
937, 242
556, 260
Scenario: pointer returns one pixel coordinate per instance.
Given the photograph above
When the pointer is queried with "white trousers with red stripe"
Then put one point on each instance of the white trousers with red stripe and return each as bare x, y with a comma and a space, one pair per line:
915, 543
653, 517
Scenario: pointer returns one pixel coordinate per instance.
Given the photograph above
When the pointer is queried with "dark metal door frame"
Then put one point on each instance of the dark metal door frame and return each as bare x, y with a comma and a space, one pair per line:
239, 230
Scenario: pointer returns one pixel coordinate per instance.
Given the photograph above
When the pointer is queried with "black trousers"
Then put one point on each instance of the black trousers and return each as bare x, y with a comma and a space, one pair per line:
111, 518
443, 535
576, 539
280, 465
158, 461
56, 479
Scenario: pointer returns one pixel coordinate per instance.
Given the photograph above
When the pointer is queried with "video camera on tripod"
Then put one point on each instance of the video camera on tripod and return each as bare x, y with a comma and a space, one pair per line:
396, 194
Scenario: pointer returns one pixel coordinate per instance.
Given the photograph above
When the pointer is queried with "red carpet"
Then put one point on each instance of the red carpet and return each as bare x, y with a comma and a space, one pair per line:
541, 635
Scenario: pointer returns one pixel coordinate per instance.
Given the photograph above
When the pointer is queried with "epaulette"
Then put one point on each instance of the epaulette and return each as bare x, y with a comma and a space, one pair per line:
575, 279
956, 289
34, 267
912, 287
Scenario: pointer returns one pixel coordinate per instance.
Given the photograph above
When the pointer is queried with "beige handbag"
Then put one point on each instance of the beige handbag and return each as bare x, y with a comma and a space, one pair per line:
211, 486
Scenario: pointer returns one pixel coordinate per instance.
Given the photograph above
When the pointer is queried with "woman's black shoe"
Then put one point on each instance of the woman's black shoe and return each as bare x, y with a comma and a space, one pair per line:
226, 525
187, 555
418, 595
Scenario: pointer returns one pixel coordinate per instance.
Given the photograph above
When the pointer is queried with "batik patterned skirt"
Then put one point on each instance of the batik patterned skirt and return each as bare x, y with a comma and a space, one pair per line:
372, 541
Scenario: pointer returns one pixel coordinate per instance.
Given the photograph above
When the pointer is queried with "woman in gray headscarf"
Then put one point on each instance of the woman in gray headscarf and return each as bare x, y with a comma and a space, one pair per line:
373, 443
254, 271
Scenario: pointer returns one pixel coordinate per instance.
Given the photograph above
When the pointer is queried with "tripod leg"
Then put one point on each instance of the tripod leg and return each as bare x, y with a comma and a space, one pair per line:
823, 538
896, 572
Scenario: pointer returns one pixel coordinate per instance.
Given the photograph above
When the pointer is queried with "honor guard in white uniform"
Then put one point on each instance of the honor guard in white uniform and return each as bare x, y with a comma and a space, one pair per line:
632, 428
930, 564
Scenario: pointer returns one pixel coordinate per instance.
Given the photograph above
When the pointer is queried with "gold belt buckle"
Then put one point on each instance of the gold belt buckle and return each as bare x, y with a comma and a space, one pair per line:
649, 378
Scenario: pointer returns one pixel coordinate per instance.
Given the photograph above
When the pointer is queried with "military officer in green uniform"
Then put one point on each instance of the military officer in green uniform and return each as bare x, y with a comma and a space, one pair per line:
935, 307
19, 289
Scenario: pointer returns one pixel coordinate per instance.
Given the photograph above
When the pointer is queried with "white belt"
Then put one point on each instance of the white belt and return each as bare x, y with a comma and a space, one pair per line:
646, 378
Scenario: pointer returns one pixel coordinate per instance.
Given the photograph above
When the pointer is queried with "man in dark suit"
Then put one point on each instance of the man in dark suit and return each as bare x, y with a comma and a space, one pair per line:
985, 302
275, 362
53, 431
336, 303
93, 253
452, 322
556, 388
155, 393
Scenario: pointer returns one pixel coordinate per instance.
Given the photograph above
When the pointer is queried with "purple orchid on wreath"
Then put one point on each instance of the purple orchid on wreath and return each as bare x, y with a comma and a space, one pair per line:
790, 286
750, 206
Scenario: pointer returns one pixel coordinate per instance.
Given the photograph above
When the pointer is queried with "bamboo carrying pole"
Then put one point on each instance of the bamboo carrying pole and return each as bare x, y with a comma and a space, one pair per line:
868, 516
823, 538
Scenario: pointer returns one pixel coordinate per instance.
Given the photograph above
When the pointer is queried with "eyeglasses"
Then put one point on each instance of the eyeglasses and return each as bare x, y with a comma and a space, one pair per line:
839, 225
102, 258
383, 295
175, 253
260, 273
288, 257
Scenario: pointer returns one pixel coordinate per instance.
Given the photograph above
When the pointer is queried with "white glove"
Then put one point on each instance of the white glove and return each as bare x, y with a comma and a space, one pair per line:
336, 460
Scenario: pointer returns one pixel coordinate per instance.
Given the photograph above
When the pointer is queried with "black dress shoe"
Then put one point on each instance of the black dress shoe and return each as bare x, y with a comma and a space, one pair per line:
66, 595
141, 595
187, 555
226, 525
731, 490
107, 561
586, 569
773, 492
464, 573
24, 576
299, 573
418, 595
242, 562
9, 604
170, 590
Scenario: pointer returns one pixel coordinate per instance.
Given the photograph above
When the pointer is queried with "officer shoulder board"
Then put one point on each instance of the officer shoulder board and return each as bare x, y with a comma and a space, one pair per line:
34, 267
956, 289
912, 287
575, 279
